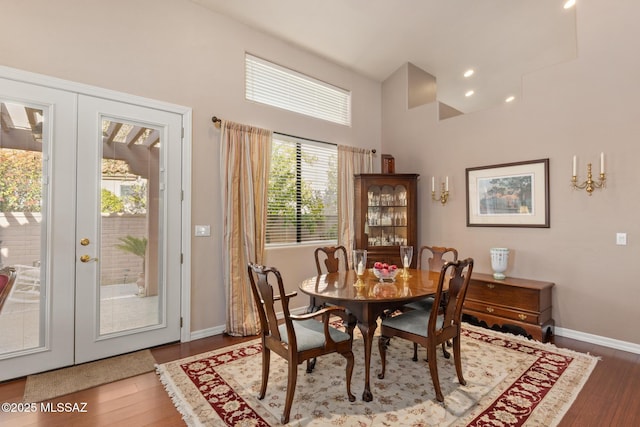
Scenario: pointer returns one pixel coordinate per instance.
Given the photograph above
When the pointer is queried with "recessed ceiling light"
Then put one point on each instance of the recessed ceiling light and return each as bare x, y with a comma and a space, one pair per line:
510, 98
569, 4
469, 93
469, 72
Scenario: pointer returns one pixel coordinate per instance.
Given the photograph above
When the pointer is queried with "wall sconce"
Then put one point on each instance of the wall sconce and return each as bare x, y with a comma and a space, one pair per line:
589, 184
444, 190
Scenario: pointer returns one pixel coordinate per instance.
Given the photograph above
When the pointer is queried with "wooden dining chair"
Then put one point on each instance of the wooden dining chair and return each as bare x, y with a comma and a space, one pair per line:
433, 327
437, 256
299, 338
334, 259
7, 279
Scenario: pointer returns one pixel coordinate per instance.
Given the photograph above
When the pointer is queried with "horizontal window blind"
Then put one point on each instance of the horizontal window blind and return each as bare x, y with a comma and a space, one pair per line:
272, 84
302, 196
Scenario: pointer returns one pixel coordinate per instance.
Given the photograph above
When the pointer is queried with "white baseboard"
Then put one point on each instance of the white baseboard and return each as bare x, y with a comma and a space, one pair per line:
209, 332
599, 340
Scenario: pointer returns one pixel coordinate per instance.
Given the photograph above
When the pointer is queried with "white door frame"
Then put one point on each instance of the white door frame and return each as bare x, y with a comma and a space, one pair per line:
186, 112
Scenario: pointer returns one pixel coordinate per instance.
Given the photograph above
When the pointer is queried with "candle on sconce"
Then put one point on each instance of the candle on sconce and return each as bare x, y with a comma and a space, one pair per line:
574, 165
433, 183
601, 162
446, 184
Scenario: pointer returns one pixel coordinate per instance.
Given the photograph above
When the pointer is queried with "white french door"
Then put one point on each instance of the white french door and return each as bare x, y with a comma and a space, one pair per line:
130, 154
91, 218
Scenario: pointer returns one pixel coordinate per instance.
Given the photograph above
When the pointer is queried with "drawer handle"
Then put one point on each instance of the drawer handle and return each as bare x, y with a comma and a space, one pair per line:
490, 285
522, 316
490, 309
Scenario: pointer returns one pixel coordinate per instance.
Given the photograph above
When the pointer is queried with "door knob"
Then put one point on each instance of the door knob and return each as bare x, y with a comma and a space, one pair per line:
87, 258
84, 242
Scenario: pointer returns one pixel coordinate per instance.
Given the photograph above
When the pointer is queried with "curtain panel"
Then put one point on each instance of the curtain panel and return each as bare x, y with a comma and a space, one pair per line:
351, 161
245, 154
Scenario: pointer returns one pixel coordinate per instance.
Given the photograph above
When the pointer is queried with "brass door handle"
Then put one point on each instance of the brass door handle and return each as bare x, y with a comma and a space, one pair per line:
84, 242
87, 258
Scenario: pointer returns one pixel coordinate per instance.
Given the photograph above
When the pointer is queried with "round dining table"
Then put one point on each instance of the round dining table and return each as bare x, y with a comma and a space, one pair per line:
368, 299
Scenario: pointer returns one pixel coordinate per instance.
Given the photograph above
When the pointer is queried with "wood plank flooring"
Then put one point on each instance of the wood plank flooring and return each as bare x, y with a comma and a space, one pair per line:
611, 396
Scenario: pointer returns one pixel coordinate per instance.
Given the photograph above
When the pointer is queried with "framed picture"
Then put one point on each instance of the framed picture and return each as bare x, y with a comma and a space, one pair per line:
509, 195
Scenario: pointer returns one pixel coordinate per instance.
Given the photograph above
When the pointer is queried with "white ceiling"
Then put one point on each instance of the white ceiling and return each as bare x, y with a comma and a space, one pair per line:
501, 39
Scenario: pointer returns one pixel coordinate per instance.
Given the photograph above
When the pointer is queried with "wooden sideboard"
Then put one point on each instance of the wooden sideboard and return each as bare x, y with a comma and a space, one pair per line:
519, 306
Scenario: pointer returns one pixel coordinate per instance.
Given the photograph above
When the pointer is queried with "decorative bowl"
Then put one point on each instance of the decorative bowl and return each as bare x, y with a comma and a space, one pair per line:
386, 274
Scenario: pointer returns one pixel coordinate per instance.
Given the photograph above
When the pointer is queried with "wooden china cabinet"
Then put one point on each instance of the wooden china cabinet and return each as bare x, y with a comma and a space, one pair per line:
386, 216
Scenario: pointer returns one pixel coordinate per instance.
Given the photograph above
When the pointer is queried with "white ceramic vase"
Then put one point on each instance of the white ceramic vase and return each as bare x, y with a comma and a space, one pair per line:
499, 262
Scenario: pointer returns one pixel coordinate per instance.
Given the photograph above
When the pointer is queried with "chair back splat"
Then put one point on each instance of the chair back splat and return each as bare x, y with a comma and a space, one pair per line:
438, 257
431, 328
299, 338
335, 259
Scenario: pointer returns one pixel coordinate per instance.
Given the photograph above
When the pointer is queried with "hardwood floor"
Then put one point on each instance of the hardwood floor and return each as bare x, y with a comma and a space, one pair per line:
611, 396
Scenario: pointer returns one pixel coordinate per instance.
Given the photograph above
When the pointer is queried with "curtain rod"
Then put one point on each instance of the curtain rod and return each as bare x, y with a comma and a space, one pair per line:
217, 122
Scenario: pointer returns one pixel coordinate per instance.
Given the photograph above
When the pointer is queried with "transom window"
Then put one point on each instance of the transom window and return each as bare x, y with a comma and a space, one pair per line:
274, 85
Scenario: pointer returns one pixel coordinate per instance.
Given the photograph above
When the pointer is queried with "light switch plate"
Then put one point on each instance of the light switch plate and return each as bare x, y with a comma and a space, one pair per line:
621, 239
203, 230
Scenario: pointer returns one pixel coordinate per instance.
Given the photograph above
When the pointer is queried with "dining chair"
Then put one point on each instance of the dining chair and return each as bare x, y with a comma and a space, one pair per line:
433, 327
334, 259
7, 279
299, 337
437, 256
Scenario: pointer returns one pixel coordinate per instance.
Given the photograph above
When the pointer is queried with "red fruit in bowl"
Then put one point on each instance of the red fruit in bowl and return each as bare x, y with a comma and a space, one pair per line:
393, 267
385, 265
377, 265
384, 272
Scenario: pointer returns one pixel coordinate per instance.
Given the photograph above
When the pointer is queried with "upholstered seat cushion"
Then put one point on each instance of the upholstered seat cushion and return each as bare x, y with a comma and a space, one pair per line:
414, 321
423, 304
310, 334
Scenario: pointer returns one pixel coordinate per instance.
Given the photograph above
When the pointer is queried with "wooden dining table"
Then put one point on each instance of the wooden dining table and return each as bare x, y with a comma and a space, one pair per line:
368, 299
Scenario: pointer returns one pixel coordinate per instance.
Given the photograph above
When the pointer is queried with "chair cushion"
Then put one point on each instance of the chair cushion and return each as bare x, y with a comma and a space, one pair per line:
423, 304
414, 322
310, 334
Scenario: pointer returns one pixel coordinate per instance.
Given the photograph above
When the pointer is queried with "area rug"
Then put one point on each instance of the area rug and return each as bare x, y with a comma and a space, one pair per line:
511, 381
56, 383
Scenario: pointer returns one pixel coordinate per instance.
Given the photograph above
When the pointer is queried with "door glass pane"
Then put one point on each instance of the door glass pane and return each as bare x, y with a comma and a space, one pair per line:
22, 234
130, 198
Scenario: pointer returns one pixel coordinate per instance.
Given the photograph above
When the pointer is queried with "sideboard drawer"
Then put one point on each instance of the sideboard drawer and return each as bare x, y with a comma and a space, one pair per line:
536, 318
525, 299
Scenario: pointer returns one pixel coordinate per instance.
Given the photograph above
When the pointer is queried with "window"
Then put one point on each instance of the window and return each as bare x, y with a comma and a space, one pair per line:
302, 196
271, 84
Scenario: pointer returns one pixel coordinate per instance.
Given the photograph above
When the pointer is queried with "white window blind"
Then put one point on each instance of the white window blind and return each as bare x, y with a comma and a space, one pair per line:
302, 197
274, 85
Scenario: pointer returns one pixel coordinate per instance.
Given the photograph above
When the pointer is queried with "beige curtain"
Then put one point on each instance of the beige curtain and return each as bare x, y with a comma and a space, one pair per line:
351, 161
245, 154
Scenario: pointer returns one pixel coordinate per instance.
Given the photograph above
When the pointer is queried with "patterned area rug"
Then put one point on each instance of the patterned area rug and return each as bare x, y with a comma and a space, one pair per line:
511, 381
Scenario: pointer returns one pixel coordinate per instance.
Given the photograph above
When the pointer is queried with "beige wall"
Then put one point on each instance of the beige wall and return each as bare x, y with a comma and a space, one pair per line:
580, 107
178, 52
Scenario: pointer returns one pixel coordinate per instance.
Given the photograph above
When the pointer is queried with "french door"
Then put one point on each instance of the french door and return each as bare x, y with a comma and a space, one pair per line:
91, 219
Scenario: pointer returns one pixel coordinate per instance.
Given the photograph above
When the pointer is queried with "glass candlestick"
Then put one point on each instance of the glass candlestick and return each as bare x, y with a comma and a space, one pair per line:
359, 264
406, 254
